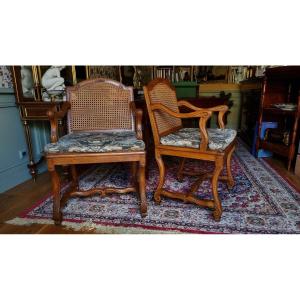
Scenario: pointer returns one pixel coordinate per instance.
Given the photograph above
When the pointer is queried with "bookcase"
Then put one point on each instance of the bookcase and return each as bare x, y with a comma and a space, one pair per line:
281, 85
174, 73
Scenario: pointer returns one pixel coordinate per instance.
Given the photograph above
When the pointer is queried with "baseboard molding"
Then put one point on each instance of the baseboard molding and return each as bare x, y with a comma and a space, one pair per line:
13, 176
17, 174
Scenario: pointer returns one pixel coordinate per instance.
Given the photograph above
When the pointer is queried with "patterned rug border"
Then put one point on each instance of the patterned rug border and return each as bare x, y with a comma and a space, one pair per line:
273, 167
106, 228
281, 175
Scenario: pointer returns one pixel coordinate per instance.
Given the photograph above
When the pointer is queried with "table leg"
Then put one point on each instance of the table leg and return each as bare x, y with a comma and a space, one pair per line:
32, 166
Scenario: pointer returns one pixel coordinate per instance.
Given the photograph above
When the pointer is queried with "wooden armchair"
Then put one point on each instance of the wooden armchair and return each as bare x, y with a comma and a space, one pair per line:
170, 138
103, 127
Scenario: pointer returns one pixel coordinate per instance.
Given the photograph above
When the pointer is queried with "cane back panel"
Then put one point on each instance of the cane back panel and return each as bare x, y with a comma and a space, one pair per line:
164, 94
100, 104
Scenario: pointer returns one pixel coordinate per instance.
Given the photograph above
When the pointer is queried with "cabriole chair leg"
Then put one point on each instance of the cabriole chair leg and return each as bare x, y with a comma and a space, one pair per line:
180, 170
74, 176
230, 180
161, 182
56, 187
142, 189
217, 213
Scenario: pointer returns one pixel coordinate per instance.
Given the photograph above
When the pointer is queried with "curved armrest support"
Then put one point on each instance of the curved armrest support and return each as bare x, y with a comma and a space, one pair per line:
138, 114
203, 133
54, 116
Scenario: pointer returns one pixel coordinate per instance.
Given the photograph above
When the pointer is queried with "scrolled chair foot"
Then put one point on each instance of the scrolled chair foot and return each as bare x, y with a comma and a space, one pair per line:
143, 209
230, 184
157, 198
217, 215
180, 177
57, 220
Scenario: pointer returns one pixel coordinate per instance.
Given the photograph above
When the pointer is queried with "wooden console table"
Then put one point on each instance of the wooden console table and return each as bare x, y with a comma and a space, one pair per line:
31, 108
35, 111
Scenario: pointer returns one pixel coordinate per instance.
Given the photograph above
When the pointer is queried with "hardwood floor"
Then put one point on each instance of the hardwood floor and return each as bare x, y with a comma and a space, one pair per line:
17, 199
281, 167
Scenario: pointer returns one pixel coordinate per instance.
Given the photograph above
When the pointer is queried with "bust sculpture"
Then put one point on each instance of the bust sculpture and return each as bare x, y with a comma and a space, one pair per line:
53, 82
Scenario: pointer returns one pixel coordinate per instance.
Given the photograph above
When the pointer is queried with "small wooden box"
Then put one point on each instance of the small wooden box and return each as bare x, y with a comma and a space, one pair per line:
297, 166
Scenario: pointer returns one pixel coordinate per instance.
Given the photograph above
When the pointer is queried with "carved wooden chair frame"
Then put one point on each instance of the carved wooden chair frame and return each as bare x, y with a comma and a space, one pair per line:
71, 159
203, 153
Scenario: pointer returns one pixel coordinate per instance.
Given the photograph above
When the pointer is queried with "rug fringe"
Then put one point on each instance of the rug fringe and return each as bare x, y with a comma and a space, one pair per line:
28, 222
89, 226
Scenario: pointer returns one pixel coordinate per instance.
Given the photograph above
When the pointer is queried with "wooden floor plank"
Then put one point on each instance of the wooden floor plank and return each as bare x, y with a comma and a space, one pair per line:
280, 167
15, 229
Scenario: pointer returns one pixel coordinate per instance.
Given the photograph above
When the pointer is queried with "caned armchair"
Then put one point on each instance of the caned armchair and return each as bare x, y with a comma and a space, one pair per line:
170, 138
103, 127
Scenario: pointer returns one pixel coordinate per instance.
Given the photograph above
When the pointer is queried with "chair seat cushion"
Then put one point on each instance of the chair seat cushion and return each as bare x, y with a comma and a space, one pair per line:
218, 139
96, 142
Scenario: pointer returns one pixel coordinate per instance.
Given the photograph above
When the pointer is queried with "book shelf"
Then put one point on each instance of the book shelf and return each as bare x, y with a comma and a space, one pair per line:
166, 72
281, 85
174, 73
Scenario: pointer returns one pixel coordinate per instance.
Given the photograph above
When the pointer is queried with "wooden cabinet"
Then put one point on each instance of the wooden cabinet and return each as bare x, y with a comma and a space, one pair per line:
281, 85
26, 82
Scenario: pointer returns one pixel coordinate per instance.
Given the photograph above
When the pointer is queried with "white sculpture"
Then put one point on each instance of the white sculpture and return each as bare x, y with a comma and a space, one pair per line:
27, 81
53, 82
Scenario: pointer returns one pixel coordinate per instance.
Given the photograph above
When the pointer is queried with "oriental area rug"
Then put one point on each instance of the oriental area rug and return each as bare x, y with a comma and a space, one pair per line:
260, 202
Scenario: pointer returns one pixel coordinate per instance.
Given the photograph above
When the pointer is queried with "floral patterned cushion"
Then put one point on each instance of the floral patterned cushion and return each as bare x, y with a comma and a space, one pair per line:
96, 142
218, 139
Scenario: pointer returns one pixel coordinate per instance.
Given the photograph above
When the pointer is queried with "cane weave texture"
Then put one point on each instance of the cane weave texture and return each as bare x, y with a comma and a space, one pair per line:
100, 105
162, 93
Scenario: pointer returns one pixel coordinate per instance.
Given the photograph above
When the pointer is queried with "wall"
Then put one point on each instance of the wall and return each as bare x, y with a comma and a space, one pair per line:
214, 89
13, 164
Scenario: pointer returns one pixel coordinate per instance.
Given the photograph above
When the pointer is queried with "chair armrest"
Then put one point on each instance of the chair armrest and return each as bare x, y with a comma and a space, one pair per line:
187, 104
138, 114
222, 109
202, 114
54, 116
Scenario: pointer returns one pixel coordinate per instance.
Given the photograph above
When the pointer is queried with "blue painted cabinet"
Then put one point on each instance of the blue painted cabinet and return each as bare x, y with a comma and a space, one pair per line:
13, 148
